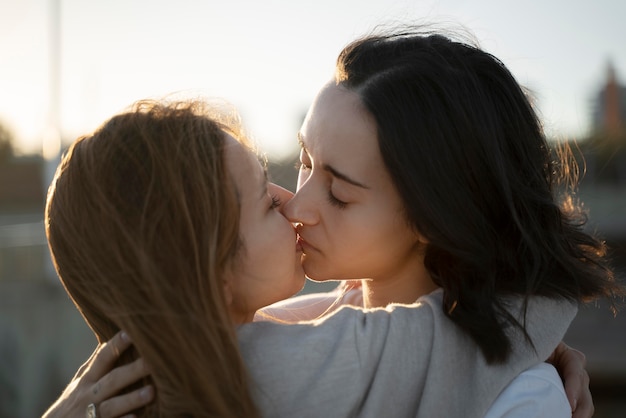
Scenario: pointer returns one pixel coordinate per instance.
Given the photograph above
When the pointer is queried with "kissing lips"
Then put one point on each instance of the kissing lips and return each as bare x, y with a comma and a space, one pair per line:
302, 243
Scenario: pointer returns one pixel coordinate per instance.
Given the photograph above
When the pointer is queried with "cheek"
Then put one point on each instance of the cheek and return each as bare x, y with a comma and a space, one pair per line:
363, 230
348, 233
284, 234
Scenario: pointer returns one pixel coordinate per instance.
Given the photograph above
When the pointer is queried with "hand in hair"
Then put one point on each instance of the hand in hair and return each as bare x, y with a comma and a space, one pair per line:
97, 382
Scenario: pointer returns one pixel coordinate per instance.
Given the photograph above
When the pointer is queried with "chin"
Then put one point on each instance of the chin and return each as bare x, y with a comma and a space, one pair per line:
300, 281
297, 283
314, 274
300, 286
319, 278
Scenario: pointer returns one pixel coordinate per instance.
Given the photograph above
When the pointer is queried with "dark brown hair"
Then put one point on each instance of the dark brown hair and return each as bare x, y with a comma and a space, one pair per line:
467, 154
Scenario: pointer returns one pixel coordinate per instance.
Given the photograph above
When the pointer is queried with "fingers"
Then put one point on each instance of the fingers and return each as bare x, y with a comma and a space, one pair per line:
96, 382
575, 377
110, 406
577, 384
126, 403
106, 382
106, 355
571, 364
119, 378
584, 406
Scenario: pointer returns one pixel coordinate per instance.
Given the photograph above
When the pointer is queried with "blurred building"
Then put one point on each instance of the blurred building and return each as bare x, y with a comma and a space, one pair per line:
604, 150
602, 159
609, 107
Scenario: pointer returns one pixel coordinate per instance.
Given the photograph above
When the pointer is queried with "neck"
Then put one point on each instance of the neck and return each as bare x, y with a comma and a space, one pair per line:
380, 293
239, 318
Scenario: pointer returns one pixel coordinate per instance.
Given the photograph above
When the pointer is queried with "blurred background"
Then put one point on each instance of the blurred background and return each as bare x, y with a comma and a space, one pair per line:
67, 65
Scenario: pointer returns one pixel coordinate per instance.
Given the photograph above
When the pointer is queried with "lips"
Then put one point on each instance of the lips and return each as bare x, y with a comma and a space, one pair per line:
302, 243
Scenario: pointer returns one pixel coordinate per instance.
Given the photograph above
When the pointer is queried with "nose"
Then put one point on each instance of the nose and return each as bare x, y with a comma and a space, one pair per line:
302, 208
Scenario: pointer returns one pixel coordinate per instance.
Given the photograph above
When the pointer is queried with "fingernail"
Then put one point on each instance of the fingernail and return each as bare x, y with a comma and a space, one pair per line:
125, 336
146, 393
142, 363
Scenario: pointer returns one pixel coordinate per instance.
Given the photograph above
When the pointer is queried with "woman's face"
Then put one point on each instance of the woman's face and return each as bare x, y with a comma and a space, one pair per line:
351, 217
268, 268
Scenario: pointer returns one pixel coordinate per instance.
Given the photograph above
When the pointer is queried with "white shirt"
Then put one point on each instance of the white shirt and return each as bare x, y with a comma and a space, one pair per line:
536, 392
403, 361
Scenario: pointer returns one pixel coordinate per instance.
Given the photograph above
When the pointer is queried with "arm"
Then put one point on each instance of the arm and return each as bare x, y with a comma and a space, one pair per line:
354, 351
346, 360
96, 383
569, 362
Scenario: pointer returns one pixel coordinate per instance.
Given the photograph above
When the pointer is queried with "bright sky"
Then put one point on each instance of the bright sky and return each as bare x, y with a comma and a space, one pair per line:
269, 57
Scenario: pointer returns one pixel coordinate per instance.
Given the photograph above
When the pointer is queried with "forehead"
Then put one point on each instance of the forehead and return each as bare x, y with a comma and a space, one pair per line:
244, 167
338, 129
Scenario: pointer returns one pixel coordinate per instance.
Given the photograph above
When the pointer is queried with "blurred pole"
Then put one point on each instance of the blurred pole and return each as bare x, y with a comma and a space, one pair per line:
51, 144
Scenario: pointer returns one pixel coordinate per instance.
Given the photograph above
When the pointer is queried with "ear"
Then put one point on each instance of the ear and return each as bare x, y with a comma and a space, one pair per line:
419, 237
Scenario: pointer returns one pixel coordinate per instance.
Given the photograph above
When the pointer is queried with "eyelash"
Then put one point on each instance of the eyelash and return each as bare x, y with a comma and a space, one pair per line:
275, 202
331, 198
336, 202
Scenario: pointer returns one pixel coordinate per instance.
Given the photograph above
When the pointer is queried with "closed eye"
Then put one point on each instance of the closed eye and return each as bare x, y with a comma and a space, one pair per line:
336, 202
275, 202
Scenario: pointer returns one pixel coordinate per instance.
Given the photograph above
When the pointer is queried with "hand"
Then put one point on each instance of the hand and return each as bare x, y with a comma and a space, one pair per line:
96, 382
571, 365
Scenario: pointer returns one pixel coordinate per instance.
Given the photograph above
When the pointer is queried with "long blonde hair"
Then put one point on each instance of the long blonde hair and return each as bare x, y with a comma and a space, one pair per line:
142, 221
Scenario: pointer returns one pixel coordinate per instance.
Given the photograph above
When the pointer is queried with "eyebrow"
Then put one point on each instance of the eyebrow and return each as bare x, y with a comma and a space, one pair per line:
331, 169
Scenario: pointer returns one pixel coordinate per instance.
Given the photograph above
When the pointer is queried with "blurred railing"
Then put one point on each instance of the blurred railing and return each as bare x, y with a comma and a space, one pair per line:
23, 248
